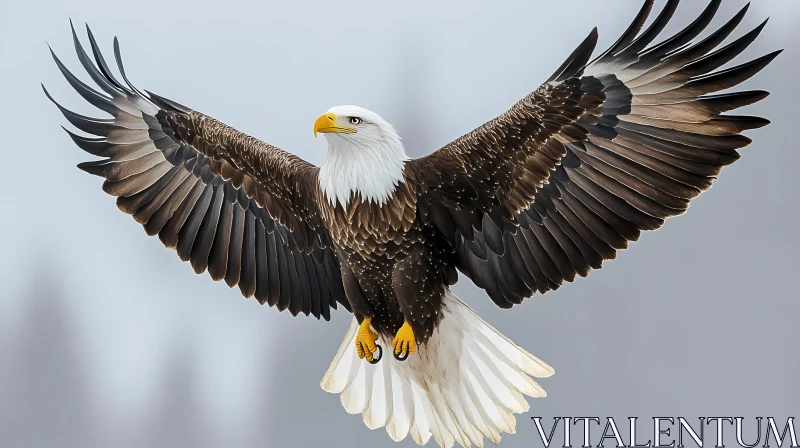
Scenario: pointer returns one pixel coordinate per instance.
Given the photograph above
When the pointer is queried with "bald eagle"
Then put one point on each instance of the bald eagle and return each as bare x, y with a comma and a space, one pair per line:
536, 197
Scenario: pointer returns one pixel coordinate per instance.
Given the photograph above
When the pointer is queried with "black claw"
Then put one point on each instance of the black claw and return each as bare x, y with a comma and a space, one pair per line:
375, 359
401, 358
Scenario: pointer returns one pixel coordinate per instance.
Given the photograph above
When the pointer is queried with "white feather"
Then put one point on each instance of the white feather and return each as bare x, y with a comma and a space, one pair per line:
369, 163
421, 430
464, 385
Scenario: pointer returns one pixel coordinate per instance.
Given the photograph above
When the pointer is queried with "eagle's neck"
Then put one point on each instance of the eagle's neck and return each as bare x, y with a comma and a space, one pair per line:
371, 170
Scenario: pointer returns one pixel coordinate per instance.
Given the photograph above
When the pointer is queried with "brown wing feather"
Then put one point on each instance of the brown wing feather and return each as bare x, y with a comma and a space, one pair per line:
498, 167
280, 182
575, 171
228, 203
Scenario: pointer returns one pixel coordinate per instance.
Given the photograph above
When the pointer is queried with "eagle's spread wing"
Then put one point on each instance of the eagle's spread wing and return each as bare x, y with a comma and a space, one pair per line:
227, 202
577, 169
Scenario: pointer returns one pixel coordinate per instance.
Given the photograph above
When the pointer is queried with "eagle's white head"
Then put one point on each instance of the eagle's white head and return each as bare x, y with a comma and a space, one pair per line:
365, 156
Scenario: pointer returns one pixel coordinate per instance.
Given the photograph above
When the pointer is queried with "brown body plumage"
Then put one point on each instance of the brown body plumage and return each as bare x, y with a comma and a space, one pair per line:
395, 266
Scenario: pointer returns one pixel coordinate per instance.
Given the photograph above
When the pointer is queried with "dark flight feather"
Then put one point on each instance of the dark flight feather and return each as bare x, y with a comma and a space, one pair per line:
156, 159
643, 133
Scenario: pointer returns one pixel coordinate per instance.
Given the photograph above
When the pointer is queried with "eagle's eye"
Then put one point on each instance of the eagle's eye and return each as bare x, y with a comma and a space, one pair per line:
355, 121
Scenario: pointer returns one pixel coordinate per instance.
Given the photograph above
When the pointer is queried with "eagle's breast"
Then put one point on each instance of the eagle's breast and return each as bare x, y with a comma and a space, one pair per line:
369, 228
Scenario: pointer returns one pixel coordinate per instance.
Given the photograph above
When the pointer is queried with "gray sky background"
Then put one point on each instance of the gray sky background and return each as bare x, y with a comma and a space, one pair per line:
102, 327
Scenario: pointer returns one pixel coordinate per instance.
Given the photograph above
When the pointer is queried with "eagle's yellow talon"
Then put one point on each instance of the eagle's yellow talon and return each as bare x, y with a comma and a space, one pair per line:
365, 340
404, 342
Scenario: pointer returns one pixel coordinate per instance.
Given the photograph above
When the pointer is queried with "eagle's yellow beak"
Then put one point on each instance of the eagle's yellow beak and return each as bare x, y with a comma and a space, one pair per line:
327, 123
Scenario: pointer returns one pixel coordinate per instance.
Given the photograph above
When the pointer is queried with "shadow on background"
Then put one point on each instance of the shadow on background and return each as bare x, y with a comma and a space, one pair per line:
45, 401
48, 399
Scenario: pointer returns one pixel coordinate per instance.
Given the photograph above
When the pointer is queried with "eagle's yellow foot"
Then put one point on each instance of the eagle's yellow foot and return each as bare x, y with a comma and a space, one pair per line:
404, 342
365, 342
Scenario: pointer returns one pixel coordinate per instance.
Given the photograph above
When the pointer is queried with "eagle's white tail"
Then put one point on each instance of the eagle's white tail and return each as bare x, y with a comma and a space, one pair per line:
465, 384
